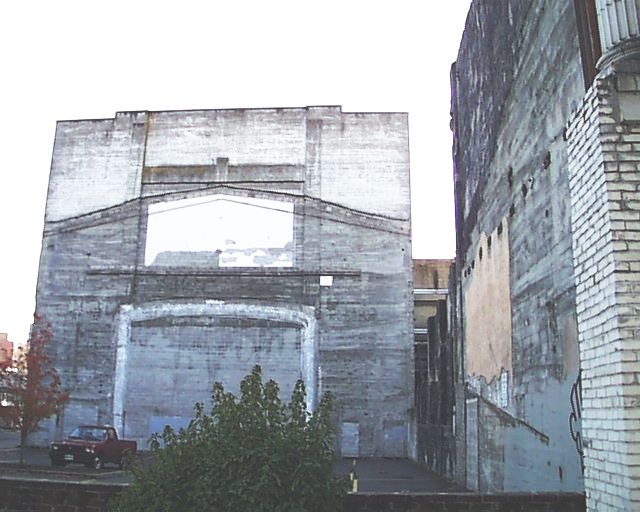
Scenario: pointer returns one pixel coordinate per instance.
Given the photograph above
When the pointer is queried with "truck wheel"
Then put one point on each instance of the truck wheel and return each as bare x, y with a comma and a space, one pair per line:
98, 464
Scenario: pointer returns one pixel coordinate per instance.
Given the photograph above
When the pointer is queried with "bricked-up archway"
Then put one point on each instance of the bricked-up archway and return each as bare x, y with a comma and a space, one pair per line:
301, 316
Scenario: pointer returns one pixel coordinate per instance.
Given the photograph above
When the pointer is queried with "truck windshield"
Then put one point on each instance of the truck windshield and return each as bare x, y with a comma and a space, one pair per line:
89, 433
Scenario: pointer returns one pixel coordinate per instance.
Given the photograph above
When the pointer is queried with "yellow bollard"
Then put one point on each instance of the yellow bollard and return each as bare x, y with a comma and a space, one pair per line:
354, 477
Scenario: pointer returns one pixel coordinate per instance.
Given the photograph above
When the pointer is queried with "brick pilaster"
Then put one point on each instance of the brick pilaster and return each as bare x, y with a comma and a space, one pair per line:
604, 166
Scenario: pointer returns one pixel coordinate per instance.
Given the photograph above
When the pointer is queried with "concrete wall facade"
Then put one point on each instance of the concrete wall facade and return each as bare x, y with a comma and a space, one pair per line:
333, 307
515, 292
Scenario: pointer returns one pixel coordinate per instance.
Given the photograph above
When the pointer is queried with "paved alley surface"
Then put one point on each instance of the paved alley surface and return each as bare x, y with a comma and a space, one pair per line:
395, 475
374, 475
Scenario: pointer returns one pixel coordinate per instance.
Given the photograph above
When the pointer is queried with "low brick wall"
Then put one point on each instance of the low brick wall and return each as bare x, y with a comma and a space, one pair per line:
45, 496
33, 495
466, 502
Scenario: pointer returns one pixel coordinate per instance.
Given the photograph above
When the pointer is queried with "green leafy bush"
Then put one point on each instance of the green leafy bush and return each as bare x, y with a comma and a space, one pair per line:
249, 454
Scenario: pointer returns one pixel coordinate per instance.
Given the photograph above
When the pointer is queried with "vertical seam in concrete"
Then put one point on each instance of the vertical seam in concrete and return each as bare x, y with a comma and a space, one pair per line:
141, 209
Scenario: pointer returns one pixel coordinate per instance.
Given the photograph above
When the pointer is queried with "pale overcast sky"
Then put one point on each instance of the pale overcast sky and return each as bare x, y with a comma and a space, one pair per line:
85, 60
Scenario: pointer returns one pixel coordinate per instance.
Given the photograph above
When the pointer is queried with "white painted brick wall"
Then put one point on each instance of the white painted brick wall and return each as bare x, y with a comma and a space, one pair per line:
604, 167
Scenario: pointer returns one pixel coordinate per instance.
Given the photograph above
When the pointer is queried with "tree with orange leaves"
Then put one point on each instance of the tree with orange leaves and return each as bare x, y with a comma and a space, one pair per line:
33, 384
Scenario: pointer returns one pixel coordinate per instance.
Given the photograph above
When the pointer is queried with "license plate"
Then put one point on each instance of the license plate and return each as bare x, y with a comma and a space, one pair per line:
68, 457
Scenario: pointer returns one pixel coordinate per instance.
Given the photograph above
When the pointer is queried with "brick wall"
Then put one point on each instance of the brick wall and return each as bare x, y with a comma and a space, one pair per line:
467, 502
604, 149
35, 496
39, 496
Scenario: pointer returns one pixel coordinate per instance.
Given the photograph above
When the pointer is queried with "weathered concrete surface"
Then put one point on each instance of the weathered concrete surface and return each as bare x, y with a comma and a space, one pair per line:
343, 177
515, 80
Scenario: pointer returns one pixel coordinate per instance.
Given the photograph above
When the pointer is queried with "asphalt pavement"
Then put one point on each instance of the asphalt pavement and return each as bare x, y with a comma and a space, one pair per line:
373, 474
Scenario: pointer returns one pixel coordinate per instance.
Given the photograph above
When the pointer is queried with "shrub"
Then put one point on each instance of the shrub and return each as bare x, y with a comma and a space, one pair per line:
249, 454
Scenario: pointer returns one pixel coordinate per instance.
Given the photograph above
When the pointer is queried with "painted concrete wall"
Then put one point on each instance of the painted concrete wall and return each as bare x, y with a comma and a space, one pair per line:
186, 348
346, 295
517, 74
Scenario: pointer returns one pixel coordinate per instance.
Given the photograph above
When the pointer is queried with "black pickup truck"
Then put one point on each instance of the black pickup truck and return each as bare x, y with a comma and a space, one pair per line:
93, 446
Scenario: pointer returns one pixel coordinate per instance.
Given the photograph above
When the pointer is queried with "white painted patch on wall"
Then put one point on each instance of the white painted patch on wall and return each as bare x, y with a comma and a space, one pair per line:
504, 389
220, 231
326, 280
